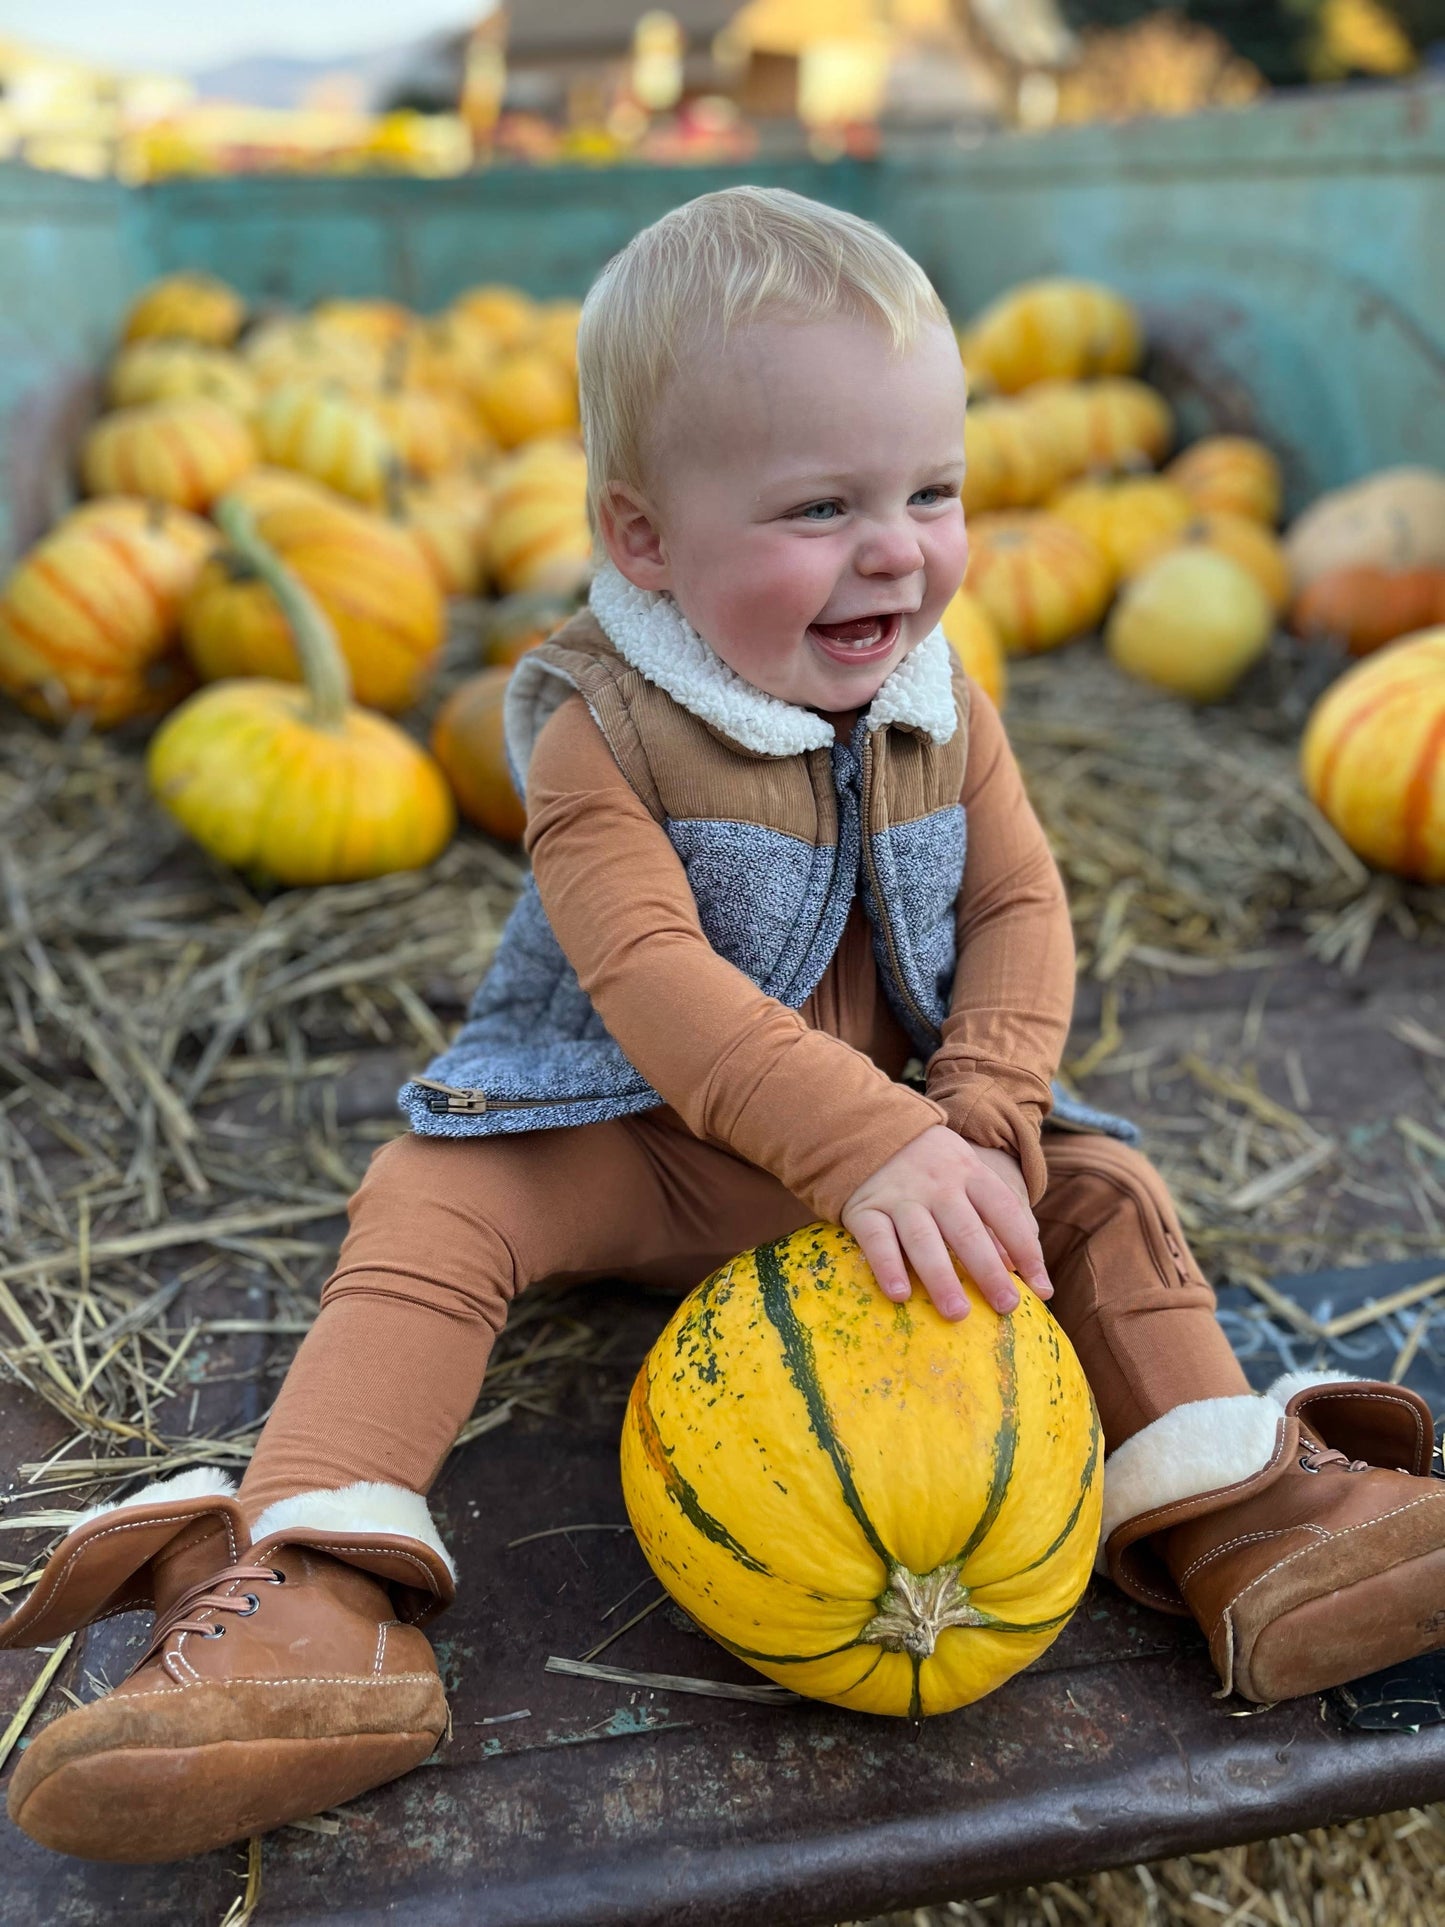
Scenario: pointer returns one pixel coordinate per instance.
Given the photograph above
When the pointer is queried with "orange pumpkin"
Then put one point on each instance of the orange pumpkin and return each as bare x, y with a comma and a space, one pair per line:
976, 642
1012, 459
368, 578
519, 622
447, 518
1373, 757
467, 740
90, 617
198, 307
1365, 606
1232, 472
1124, 518
187, 452
539, 536
526, 393
331, 435
1105, 426
1244, 540
373, 321
1041, 580
506, 314
429, 432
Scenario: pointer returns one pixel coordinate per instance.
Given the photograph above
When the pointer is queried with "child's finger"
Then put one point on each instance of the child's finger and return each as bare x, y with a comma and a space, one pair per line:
976, 1248
879, 1243
1013, 1228
928, 1254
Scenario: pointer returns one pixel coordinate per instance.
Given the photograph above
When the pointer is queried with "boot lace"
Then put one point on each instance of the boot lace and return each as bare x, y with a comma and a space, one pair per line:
183, 1616
1315, 1457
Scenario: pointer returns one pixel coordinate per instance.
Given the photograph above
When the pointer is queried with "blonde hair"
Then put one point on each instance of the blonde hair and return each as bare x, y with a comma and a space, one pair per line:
714, 264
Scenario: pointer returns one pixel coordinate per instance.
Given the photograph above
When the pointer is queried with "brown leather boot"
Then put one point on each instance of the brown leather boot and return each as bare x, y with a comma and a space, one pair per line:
288, 1679
1300, 1529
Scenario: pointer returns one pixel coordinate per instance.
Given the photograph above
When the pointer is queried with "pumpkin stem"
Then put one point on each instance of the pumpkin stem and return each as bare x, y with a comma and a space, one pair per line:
917, 1607
322, 663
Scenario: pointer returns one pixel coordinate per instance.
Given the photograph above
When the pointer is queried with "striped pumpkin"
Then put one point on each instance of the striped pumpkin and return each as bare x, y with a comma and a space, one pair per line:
168, 370
975, 641
331, 435
447, 519
90, 618
1243, 539
293, 348
1054, 329
187, 452
539, 537
1373, 757
1100, 427
195, 307
1232, 472
1125, 518
862, 1500
1042, 581
369, 579
526, 393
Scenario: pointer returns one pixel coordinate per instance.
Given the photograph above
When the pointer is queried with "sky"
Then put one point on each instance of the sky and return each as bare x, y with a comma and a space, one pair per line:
183, 35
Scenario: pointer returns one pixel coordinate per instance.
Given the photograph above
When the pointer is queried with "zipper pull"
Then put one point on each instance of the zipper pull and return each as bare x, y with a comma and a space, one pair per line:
450, 1101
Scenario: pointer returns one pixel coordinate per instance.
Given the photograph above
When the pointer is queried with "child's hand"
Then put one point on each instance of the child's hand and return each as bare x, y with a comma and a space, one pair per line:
940, 1194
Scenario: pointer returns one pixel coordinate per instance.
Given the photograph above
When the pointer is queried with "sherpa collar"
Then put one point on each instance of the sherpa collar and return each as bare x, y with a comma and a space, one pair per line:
650, 632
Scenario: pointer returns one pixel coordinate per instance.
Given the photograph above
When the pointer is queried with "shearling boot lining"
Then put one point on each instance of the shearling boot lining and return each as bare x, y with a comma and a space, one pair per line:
1200, 1447
366, 1508
204, 1482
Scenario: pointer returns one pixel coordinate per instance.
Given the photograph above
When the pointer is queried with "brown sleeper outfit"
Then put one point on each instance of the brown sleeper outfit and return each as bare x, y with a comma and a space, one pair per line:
775, 1117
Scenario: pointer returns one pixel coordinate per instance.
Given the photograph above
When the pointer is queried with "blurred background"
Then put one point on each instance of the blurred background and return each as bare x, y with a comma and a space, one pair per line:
145, 90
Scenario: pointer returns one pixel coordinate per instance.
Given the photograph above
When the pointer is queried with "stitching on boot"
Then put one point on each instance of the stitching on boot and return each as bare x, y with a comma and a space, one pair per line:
1383, 1398
305, 1679
1246, 1539
380, 1647
1334, 1538
125, 1525
1159, 1519
392, 1552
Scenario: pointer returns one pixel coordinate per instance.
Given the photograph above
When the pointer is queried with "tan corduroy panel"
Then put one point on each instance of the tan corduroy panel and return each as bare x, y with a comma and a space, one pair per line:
686, 770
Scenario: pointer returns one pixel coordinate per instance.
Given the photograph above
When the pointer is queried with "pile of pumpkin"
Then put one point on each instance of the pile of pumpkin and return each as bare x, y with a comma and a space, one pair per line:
288, 500
1077, 518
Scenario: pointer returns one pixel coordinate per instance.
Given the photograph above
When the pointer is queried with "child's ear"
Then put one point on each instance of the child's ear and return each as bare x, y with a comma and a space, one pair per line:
631, 537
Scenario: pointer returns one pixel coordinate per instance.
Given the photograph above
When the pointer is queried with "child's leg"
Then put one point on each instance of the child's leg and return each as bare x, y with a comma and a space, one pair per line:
1137, 1308
444, 1233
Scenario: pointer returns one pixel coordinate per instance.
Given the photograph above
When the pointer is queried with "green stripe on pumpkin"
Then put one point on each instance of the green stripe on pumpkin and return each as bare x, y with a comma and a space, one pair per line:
1003, 1440
679, 1490
802, 1367
1085, 1482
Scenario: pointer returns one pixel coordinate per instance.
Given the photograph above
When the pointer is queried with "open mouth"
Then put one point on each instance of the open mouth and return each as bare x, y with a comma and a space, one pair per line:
861, 640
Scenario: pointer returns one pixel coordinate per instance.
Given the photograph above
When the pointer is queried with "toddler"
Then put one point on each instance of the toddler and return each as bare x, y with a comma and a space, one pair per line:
780, 848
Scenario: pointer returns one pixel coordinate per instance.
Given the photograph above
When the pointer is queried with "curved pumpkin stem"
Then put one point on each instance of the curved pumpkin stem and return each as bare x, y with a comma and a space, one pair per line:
322, 663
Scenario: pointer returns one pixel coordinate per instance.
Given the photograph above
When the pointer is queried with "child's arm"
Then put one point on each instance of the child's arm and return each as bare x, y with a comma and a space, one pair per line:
742, 1069
1013, 992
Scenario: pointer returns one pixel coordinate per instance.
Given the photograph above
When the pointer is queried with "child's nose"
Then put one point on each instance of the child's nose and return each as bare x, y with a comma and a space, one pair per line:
890, 551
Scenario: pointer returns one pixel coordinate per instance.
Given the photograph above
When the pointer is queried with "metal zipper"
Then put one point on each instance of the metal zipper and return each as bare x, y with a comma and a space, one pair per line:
454, 1102
929, 1028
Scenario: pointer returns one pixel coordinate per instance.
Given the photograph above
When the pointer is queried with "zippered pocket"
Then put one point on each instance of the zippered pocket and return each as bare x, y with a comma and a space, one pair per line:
449, 1100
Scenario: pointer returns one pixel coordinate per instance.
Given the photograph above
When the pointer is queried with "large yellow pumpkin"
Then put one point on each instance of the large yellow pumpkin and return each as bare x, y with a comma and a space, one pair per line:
1373, 757
298, 784
155, 370
1125, 518
507, 315
1232, 472
1013, 460
1041, 580
526, 393
975, 640
1054, 329
468, 741
90, 617
331, 435
366, 575
864, 1501
187, 452
1192, 623
197, 307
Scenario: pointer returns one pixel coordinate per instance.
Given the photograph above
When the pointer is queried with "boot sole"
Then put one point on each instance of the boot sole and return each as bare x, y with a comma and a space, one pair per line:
1379, 1621
150, 1805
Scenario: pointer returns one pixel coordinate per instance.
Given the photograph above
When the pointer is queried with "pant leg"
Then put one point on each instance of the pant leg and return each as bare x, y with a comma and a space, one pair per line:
444, 1232
1137, 1308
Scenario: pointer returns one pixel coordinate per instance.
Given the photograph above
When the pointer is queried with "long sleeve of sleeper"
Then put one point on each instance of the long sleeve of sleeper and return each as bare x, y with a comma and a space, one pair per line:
1013, 991
740, 1068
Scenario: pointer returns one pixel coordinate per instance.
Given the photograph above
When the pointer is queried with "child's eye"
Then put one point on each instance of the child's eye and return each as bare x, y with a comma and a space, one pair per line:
819, 512
931, 496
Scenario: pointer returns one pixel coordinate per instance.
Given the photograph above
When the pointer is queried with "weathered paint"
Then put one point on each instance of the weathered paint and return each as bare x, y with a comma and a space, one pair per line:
1287, 260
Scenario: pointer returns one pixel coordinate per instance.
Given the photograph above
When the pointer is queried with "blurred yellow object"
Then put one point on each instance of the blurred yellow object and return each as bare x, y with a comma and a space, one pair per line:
300, 348
1054, 330
330, 435
162, 369
1244, 540
1359, 37
447, 518
1232, 472
1041, 579
975, 640
187, 452
1125, 518
1192, 622
539, 536
508, 315
526, 393
197, 306
1100, 427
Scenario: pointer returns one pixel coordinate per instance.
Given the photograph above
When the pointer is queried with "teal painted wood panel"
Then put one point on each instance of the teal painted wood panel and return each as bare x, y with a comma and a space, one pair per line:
1289, 260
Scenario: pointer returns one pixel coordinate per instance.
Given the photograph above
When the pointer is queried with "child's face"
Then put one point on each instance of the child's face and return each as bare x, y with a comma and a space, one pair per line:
802, 503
